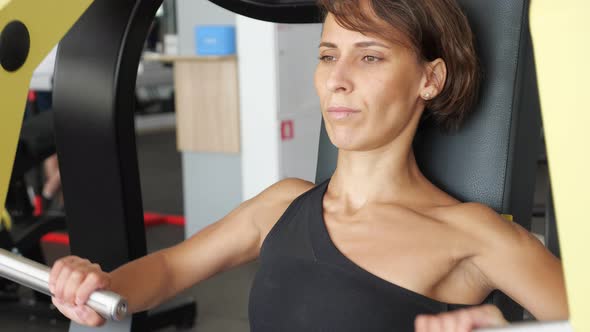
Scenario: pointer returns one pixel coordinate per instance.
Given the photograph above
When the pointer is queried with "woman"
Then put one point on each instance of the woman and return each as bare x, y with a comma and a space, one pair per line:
378, 244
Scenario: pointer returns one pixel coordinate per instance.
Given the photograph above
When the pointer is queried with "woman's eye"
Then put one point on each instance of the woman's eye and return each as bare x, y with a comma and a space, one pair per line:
327, 58
370, 58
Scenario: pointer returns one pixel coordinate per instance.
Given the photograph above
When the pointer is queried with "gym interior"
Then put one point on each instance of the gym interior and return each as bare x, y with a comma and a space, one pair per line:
181, 110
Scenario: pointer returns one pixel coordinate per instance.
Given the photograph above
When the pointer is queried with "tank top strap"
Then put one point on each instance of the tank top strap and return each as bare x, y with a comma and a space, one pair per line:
290, 236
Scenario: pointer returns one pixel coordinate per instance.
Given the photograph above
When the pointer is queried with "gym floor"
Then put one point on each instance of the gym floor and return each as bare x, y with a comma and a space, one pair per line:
222, 300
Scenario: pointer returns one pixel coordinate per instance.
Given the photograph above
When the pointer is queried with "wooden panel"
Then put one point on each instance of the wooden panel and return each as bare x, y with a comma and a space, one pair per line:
207, 115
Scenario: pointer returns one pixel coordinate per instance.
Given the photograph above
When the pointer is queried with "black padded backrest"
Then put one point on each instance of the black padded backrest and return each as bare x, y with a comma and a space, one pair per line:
492, 158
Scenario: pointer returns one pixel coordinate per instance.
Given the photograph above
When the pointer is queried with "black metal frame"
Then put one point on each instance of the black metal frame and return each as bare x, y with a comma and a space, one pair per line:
94, 124
551, 234
279, 11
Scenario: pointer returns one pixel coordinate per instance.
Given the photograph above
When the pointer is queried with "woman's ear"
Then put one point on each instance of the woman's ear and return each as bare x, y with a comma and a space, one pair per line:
436, 75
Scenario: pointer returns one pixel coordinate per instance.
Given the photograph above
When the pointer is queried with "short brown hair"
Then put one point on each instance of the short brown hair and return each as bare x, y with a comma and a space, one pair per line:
433, 29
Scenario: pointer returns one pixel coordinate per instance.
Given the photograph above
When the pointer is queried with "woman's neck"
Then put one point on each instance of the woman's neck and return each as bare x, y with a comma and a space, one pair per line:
386, 175
376, 177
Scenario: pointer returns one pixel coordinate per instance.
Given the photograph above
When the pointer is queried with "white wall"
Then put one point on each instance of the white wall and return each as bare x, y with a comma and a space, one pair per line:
257, 71
276, 66
211, 187
192, 12
298, 101
42, 79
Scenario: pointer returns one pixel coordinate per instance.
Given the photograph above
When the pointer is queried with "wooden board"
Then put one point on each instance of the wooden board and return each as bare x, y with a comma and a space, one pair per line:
207, 115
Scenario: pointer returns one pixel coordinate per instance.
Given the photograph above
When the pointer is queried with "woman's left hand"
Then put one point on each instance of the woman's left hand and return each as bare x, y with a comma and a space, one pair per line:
464, 320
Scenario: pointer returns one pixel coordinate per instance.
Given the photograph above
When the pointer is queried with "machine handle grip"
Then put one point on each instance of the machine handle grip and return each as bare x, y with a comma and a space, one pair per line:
554, 326
36, 276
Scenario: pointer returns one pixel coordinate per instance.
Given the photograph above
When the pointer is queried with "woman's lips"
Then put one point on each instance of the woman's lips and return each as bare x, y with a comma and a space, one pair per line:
338, 113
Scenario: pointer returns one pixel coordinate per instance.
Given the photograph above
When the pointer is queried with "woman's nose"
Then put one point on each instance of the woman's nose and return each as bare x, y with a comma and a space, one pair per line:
339, 79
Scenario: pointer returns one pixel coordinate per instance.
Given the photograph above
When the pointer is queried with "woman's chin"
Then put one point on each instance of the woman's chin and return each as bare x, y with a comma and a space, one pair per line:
355, 143
345, 142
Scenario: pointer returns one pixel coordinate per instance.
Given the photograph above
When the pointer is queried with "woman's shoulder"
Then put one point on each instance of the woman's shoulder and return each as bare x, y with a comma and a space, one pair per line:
271, 203
285, 190
511, 259
484, 225
473, 214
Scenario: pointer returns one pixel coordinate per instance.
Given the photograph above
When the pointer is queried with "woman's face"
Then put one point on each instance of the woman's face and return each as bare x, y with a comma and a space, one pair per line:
369, 88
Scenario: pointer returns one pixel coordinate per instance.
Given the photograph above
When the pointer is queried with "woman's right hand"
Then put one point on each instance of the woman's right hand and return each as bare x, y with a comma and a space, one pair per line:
464, 320
71, 281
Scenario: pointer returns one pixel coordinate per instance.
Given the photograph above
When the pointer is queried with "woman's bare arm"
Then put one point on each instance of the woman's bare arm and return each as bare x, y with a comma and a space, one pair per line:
231, 241
150, 280
516, 262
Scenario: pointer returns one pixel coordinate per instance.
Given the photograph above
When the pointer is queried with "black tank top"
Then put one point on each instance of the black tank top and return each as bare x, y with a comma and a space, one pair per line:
305, 283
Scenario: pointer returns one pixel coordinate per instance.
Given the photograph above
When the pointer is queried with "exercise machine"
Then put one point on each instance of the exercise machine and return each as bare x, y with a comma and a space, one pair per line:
94, 121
